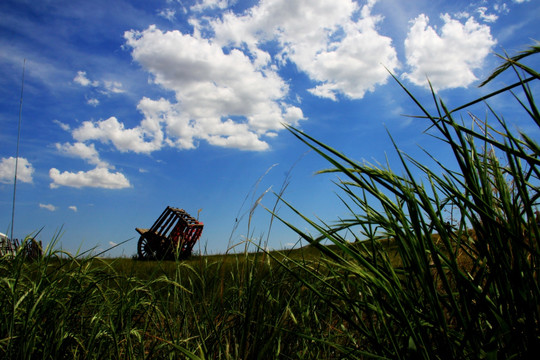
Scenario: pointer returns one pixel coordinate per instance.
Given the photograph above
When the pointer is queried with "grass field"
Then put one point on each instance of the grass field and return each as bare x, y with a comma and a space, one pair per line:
414, 285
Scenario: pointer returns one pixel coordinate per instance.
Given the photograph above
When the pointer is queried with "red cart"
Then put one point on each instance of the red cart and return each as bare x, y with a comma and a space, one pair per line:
172, 236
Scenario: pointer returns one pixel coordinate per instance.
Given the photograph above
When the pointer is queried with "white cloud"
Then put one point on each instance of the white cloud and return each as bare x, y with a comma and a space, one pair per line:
73, 208
83, 151
335, 43
63, 126
105, 87
112, 243
168, 14
223, 97
48, 207
113, 131
202, 5
82, 80
448, 59
227, 87
114, 87
462, 15
93, 101
100, 177
97, 178
501, 8
7, 170
482, 12
355, 65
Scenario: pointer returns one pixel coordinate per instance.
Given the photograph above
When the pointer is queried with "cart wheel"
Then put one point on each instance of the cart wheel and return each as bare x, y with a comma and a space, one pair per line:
145, 249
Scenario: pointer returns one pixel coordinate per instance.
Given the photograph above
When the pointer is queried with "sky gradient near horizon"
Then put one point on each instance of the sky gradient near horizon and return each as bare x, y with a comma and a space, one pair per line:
130, 106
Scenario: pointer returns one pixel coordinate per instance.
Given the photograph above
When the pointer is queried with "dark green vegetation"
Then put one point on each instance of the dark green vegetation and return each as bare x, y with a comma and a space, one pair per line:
417, 284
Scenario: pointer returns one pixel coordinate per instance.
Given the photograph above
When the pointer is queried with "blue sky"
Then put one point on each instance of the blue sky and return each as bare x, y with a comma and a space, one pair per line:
130, 106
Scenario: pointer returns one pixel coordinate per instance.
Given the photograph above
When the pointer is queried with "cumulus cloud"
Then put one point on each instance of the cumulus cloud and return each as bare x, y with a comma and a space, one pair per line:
225, 74
93, 101
168, 14
448, 59
223, 97
25, 170
105, 87
114, 87
83, 151
202, 5
97, 178
73, 208
100, 177
483, 14
49, 207
113, 131
335, 43
226, 83
83, 80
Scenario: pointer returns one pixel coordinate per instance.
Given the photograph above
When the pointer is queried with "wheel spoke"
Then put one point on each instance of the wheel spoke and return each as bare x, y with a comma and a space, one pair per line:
146, 249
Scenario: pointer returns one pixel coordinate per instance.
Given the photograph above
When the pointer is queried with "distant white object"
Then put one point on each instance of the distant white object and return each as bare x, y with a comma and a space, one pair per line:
6, 247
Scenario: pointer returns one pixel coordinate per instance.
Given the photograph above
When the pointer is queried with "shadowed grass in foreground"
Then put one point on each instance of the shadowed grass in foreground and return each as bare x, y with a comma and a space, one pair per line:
467, 289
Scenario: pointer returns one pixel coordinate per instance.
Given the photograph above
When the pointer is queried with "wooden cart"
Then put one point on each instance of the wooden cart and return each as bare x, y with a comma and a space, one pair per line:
172, 236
